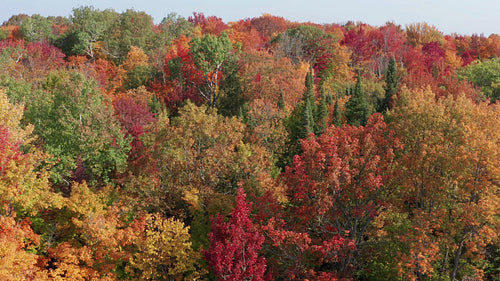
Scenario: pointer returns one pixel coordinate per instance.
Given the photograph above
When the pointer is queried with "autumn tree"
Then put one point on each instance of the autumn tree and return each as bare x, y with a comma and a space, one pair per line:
447, 187
209, 25
234, 245
196, 161
164, 251
24, 185
266, 77
92, 237
338, 185
17, 240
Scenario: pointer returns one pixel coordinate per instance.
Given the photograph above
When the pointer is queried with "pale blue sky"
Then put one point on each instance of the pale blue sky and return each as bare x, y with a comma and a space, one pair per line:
450, 16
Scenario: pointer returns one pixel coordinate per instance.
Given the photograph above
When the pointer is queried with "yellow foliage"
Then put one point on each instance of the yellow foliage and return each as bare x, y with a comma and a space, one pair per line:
10, 117
165, 251
23, 182
135, 57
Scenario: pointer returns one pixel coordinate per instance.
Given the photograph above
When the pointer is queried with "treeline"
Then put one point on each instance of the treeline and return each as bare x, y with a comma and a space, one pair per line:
262, 149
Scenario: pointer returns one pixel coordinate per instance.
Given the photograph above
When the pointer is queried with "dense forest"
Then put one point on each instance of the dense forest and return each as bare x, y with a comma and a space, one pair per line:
263, 149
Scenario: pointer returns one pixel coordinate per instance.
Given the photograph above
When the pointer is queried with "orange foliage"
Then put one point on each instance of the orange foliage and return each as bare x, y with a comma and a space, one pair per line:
266, 77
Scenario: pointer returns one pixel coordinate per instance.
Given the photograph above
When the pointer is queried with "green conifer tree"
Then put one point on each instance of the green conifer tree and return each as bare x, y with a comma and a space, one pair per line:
281, 101
357, 109
391, 85
321, 114
337, 115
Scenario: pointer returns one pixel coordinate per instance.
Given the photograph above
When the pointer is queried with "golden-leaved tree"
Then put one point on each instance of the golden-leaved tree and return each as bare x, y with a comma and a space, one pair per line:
447, 183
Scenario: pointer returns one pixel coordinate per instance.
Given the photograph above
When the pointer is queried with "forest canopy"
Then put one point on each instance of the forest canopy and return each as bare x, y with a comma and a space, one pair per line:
260, 149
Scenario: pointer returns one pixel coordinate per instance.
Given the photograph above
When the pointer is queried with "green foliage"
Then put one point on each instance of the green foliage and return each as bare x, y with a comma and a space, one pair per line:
135, 29
139, 76
486, 75
74, 123
357, 109
18, 91
210, 53
173, 26
321, 114
231, 98
37, 29
90, 26
337, 114
391, 85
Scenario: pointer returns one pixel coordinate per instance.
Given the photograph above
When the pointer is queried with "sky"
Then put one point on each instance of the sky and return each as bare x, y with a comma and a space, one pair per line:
449, 16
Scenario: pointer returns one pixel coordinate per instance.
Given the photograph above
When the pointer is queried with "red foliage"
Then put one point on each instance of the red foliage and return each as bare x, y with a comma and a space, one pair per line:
32, 60
433, 57
211, 24
234, 245
8, 151
134, 116
373, 47
182, 76
270, 26
336, 186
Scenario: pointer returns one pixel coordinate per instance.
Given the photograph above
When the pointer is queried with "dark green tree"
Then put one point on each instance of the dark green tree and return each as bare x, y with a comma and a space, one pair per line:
357, 109
135, 29
307, 120
231, 94
321, 114
391, 85
337, 115
281, 101
300, 123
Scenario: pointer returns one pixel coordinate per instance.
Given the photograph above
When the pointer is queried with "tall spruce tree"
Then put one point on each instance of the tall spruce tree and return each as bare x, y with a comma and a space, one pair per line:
231, 94
281, 101
300, 123
336, 115
357, 109
391, 85
321, 114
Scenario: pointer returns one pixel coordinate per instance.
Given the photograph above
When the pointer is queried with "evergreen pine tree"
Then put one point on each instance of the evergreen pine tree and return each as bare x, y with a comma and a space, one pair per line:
281, 101
155, 105
329, 99
337, 115
307, 120
300, 123
231, 98
321, 114
357, 109
309, 93
391, 85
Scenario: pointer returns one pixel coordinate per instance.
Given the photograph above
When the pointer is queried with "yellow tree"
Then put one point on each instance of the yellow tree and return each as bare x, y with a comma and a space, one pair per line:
24, 183
164, 252
448, 182
95, 239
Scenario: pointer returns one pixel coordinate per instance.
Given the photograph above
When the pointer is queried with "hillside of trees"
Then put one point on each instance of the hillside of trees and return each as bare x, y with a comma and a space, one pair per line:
262, 149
